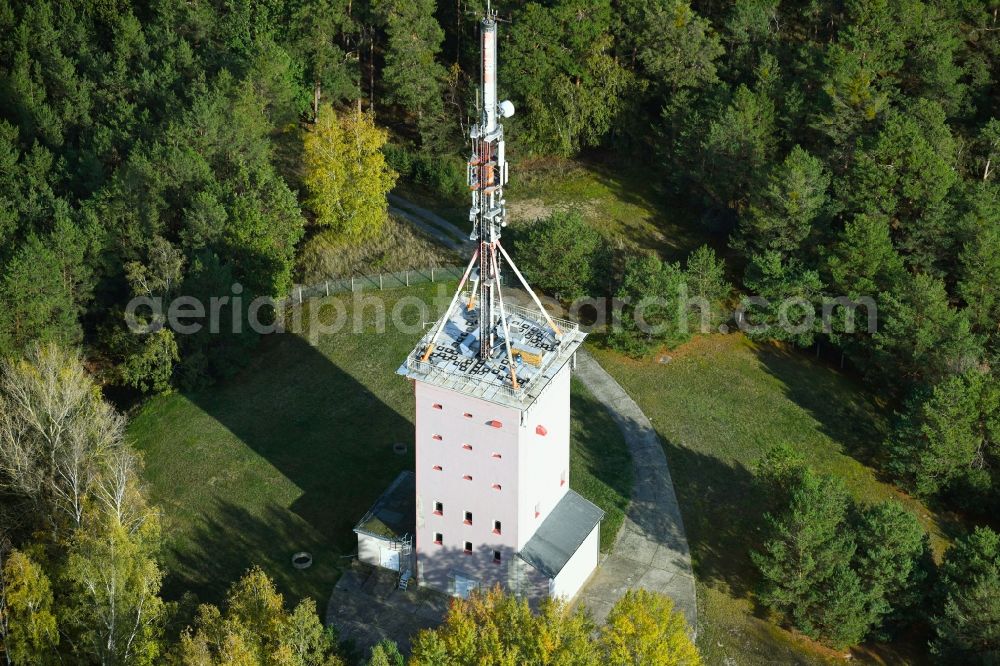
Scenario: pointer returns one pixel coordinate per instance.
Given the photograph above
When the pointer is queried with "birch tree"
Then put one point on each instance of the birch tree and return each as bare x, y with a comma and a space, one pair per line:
55, 431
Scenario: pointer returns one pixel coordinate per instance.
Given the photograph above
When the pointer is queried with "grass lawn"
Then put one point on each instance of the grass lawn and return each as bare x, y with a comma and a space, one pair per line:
718, 405
291, 452
622, 201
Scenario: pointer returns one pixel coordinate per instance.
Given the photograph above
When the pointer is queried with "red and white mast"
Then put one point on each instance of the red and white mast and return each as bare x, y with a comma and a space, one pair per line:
487, 175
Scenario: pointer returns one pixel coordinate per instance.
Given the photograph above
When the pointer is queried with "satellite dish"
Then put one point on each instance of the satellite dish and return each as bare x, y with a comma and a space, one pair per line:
506, 109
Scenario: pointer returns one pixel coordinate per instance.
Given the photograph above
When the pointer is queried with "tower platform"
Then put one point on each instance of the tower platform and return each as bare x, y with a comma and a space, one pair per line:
539, 353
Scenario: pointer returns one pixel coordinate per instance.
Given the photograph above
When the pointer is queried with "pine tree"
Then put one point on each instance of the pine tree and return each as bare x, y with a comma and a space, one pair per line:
968, 620
949, 437
705, 278
652, 311
805, 562
979, 266
412, 75
785, 213
921, 337
791, 294
893, 560
863, 261
739, 146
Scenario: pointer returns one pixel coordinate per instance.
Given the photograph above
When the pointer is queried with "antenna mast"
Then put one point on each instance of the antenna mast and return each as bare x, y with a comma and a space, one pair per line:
487, 175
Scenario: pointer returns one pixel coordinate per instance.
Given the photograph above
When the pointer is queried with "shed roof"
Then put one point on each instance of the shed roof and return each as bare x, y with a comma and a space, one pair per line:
393, 515
561, 534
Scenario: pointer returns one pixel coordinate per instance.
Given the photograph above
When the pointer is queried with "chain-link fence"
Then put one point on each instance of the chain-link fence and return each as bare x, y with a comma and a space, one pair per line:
393, 280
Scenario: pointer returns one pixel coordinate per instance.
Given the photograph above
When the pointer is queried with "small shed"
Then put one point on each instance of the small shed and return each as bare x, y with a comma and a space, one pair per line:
385, 533
566, 547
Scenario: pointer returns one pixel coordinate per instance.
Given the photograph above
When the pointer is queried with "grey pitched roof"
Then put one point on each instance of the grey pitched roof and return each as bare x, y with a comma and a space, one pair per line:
561, 534
394, 513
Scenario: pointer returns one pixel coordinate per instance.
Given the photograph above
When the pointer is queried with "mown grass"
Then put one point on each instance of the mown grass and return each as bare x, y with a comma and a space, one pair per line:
718, 404
291, 452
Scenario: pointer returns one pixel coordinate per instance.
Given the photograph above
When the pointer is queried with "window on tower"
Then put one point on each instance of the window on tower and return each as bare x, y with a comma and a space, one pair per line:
438, 538
468, 517
538, 510
467, 477
437, 468
468, 548
467, 447
438, 508
496, 527
496, 557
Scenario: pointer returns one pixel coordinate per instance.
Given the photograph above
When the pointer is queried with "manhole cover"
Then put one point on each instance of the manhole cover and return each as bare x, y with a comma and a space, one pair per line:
302, 560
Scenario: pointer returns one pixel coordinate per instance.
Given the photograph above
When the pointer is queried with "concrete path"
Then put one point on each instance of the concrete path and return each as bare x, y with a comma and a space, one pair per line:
429, 221
366, 607
651, 550
429, 229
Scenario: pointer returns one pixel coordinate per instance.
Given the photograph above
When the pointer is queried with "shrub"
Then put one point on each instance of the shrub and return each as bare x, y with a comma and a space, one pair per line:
563, 254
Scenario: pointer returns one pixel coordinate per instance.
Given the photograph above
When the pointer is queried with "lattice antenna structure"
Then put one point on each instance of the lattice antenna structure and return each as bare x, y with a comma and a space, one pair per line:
487, 174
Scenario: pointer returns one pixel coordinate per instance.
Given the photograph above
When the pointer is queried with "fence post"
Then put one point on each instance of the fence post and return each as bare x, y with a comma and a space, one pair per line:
432, 274
380, 282
407, 278
300, 295
327, 284
352, 283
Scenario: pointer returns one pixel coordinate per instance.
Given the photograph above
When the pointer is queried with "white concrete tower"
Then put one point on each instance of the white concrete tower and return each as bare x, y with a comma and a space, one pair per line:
493, 504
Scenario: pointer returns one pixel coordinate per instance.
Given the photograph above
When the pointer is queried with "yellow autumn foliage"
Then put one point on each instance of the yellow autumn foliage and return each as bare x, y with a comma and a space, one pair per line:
346, 174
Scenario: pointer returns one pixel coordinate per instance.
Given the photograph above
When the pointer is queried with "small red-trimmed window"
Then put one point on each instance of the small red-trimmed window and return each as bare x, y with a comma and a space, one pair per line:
540, 430
494, 424
496, 455
467, 477
468, 548
496, 527
467, 447
496, 557
438, 509
468, 517
497, 486
437, 468
438, 538
538, 510
467, 415
437, 405
562, 478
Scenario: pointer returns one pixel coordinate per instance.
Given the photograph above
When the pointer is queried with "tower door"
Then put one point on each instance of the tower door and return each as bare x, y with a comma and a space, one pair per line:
388, 558
464, 586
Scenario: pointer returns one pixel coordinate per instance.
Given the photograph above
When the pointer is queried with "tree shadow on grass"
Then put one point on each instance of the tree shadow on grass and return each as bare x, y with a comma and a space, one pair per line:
846, 413
229, 539
723, 510
600, 450
318, 427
